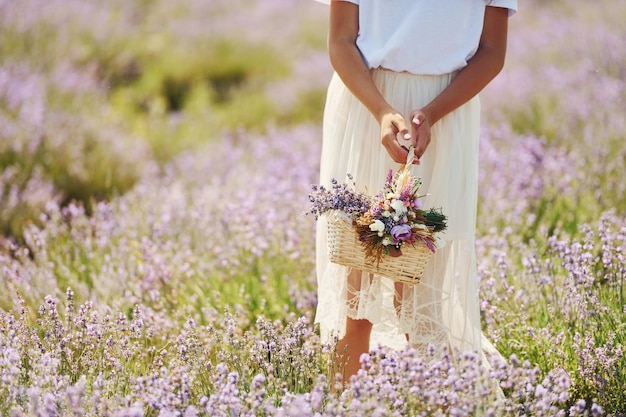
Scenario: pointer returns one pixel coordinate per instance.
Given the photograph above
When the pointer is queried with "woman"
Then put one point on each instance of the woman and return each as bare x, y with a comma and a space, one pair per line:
407, 72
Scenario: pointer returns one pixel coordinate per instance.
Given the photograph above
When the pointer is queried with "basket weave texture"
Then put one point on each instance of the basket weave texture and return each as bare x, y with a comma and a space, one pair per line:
344, 248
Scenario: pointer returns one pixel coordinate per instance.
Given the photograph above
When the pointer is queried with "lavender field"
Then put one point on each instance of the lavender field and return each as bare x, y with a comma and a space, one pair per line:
155, 162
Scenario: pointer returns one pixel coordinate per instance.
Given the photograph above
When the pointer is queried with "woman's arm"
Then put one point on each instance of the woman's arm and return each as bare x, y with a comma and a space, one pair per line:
350, 66
480, 70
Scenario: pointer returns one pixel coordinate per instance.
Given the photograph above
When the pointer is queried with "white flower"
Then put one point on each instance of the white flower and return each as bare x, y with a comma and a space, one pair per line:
398, 206
386, 241
386, 213
377, 226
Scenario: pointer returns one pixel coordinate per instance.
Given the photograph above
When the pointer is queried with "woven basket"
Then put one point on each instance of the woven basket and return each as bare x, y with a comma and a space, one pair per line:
344, 248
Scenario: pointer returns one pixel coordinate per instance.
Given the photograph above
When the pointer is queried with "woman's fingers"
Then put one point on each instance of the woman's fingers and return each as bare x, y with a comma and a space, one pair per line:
397, 151
393, 126
394, 149
420, 133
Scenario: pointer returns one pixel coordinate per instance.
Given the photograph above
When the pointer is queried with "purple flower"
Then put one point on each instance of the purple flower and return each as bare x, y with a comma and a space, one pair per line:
389, 180
401, 232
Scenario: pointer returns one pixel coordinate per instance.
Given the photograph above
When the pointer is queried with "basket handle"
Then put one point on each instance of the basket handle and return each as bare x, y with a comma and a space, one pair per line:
409, 159
411, 155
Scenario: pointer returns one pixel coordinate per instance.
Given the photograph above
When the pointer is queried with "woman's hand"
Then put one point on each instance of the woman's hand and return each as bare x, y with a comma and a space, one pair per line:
394, 126
394, 131
420, 132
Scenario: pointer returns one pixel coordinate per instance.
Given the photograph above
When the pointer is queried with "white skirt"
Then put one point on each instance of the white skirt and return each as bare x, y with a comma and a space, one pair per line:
443, 309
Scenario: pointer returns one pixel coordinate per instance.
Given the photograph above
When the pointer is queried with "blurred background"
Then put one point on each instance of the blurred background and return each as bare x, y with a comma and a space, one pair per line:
93, 95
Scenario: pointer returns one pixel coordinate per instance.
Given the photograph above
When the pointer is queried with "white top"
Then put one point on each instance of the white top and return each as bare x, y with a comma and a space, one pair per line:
422, 36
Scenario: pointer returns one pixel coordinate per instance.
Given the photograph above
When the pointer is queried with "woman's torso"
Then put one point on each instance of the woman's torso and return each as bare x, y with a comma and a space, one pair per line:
420, 36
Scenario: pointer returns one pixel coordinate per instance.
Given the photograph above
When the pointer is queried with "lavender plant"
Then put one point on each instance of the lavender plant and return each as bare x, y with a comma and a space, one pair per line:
193, 292
342, 197
91, 363
579, 324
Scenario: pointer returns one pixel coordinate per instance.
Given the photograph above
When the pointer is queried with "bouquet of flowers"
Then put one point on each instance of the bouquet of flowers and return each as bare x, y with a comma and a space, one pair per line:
384, 224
